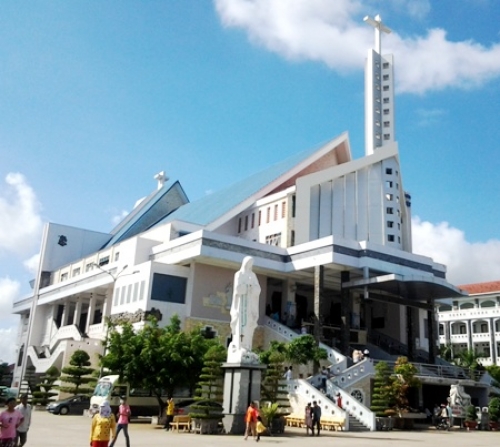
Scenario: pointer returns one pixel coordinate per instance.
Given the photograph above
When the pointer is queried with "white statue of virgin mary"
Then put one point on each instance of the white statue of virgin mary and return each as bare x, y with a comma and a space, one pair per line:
244, 313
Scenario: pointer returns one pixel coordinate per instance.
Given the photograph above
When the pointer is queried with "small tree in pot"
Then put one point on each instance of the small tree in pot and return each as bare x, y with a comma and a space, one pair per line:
494, 413
207, 412
471, 417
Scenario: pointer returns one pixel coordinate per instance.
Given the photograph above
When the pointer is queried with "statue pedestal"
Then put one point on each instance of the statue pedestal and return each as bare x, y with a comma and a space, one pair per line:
242, 383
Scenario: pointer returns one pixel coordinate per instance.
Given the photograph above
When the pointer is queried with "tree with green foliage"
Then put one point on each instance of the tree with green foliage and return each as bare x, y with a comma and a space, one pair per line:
382, 389
78, 373
45, 389
157, 359
468, 359
304, 349
300, 351
446, 352
494, 372
5, 374
274, 387
494, 409
211, 385
403, 379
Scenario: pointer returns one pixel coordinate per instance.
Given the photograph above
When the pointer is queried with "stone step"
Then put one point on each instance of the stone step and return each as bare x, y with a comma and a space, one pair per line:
355, 425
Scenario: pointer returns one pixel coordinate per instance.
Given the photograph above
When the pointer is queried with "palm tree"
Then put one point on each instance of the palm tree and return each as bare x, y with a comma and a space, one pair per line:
468, 359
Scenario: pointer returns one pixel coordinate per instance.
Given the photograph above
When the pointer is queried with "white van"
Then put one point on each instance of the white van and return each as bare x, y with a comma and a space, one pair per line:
142, 402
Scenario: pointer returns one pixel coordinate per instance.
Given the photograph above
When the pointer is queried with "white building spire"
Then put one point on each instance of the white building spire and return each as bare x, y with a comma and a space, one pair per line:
379, 92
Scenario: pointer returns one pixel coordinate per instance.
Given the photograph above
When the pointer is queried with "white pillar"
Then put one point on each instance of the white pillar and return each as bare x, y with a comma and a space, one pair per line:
64, 319
78, 312
90, 313
108, 302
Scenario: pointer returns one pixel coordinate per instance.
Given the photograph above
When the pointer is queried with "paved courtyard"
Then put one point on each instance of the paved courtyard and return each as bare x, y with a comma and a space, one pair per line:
73, 431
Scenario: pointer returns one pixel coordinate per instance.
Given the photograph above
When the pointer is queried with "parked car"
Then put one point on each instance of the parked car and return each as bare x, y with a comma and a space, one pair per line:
72, 405
185, 407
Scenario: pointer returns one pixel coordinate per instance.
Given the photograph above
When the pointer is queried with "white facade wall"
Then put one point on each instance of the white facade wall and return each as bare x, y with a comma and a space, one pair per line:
364, 205
472, 323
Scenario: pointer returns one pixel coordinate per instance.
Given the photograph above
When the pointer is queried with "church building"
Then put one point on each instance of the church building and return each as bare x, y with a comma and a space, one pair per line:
330, 238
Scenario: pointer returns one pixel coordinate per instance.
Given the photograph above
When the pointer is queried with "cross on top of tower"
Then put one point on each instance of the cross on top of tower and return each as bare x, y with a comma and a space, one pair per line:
379, 28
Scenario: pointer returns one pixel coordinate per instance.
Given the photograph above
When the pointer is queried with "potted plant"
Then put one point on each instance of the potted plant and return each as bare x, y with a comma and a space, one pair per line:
274, 390
381, 397
494, 413
207, 412
471, 417
272, 419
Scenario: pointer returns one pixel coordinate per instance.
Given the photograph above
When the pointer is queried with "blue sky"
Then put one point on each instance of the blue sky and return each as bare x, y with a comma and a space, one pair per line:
97, 97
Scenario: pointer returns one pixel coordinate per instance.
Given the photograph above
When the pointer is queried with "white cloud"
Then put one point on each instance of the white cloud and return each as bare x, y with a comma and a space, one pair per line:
428, 117
31, 264
116, 219
8, 345
333, 32
467, 262
9, 290
20, 223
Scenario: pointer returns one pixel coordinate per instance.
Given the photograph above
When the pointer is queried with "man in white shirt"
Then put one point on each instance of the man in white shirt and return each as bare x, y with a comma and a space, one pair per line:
288, 374
25, 409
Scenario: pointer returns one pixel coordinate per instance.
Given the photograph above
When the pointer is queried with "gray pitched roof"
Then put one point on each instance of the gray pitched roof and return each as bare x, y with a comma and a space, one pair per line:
211, 207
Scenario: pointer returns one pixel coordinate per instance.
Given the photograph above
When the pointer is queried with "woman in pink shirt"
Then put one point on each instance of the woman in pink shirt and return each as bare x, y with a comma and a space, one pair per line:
10, 419
123, 421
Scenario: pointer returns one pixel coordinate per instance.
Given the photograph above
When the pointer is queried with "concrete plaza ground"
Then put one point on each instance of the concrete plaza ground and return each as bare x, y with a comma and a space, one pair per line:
48, 430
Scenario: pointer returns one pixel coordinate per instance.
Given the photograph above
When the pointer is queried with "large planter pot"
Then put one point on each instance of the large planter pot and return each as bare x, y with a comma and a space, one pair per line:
470, 425
209, 426
277, 425
494, 425
384, 423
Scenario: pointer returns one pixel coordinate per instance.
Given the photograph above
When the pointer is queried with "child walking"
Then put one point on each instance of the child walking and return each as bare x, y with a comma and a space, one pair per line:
261, 428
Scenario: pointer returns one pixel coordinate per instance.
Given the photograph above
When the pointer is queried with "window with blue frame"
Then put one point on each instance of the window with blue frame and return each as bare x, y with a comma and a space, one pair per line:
168, 288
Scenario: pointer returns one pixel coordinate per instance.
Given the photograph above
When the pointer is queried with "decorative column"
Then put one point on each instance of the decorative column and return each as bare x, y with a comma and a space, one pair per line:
78, 312
106, 305
469, 333
493, 345
319, 273
410, 333
64, 318
90, 313
345, 313
431, 332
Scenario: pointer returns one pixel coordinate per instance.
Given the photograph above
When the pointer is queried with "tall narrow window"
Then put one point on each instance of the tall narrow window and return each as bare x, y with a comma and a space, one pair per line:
260, 217
253, 220
246, 222
283, 210
276, 212
268, 214
239, 225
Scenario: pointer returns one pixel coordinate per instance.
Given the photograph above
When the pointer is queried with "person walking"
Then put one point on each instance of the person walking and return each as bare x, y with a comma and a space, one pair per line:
10, 420
124, 414
170, 411
25, 409
316, 418
339, 400
103, 426
308, 418
251, 420
260, 428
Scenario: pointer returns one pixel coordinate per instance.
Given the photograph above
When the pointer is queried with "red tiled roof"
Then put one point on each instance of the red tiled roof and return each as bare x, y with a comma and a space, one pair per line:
482, 287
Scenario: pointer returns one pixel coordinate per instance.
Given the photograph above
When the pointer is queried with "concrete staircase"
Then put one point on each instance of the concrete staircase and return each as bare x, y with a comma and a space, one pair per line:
355, 425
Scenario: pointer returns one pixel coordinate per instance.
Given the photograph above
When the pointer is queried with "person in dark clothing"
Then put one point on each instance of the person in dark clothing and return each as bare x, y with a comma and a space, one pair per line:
316, 418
